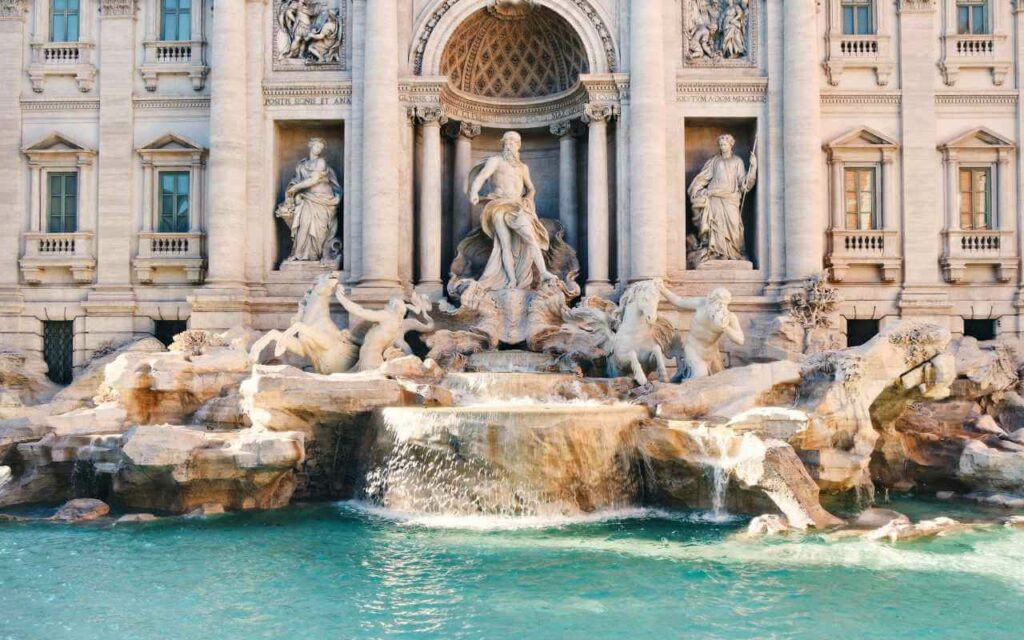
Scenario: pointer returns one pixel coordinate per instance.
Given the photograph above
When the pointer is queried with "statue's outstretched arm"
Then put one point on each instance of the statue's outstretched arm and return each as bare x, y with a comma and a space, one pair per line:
358, 310
690, 304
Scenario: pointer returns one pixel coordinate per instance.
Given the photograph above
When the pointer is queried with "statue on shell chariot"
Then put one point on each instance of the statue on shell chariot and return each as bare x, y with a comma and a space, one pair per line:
514, 279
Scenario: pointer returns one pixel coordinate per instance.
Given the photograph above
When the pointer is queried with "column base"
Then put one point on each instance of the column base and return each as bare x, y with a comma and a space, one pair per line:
599, 288
433, 291
12, 303
109, 318
220, 309
926, 303
377, 291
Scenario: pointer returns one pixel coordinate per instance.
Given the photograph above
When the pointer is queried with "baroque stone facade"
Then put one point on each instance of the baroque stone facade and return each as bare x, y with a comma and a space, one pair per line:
144, 150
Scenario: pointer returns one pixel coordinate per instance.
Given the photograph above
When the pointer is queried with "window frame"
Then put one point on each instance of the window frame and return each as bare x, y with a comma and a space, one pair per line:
990, 219
853, 6
971, 6
63, 216
177, 12
876, 201
175, 216
65, 14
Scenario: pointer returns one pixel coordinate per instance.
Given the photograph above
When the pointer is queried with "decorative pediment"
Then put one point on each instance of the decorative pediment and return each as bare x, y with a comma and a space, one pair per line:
55, 142
58, 148
172, 148
980, 138
171, 142
861, 138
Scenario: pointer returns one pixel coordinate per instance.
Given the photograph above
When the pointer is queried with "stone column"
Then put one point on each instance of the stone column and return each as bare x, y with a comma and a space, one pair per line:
381, 153
596, 117
228, 130
223, 302
923, 291
12, 179
647, 152
111, 305
801, 125
838, 204
567, 197
429, 228
463, 219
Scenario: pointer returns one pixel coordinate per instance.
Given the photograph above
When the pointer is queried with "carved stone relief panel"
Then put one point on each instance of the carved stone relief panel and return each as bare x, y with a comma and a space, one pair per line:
720, 33
309, 35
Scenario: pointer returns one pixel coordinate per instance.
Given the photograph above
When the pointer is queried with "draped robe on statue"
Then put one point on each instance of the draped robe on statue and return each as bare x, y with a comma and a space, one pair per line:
316, 210
518, 214
716, 195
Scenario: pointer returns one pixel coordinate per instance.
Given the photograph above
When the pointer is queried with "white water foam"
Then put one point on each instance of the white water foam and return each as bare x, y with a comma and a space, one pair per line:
483, 522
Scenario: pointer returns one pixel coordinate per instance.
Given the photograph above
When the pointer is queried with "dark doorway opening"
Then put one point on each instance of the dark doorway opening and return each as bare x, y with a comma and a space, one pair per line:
165, 330
860, 331
981, 330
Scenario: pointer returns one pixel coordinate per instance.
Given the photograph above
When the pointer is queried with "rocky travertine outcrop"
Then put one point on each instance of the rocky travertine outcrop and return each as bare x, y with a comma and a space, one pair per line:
838, 390
169, 387
723, 395
991, 468
333, 411
983, 368
23, 382
81, 510
681, 459
177, 468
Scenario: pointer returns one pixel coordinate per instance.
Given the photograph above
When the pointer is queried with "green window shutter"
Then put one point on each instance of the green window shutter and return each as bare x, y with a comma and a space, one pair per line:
174, 202
62, 202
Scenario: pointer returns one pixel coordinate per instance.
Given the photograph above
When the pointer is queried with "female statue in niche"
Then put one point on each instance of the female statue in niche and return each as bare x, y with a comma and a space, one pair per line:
310, 208
716, 197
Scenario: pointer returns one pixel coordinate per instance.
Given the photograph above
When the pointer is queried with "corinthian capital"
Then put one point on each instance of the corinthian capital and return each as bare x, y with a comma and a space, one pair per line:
463, 130
595, 113
561, 129
430, 115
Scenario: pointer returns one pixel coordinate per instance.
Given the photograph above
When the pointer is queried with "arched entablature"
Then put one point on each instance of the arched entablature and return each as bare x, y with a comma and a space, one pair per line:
439, 22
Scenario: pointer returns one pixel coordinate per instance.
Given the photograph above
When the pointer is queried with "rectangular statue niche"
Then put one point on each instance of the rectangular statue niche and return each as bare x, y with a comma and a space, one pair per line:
721, 194
308, 194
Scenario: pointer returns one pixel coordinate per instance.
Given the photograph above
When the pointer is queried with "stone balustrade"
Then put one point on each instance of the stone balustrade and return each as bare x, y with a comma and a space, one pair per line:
181, 252
870, 247
62, 59
49, 253
186, 57
859, 46
978, 51
978, 248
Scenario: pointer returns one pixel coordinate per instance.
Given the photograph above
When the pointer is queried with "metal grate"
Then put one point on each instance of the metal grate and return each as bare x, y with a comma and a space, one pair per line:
58, 349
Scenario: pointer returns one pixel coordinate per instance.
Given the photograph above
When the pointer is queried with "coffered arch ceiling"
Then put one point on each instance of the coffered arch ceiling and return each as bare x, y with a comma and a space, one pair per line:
528, 55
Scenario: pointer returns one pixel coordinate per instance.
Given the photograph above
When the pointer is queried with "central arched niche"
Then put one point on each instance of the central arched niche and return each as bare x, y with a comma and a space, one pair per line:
515, 55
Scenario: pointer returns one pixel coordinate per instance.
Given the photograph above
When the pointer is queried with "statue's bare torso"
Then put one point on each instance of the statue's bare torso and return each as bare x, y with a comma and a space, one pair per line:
508, 179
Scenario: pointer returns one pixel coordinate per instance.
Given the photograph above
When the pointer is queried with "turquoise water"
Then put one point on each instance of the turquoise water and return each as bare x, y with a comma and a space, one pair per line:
338, 571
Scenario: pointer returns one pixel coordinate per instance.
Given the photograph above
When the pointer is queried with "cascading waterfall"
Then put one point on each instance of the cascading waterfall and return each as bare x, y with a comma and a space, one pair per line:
722, 451
501, 460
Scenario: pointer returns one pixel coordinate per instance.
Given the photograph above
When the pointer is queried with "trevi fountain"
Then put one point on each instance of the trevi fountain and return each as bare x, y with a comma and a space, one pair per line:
562, 438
